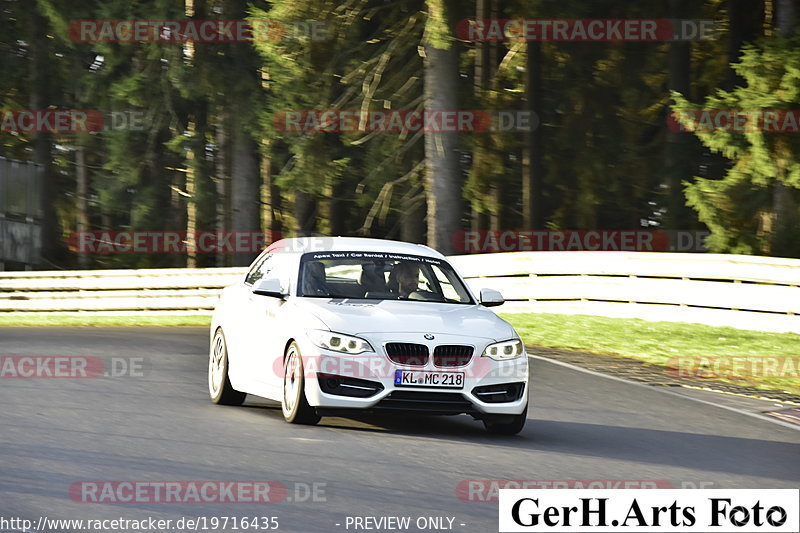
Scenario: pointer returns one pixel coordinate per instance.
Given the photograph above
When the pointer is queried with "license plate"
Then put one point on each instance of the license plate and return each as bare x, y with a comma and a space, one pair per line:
439, 380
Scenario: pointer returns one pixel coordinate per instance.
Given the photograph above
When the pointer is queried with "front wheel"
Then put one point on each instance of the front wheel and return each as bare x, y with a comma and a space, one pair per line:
219, 384
506, 425
294, 405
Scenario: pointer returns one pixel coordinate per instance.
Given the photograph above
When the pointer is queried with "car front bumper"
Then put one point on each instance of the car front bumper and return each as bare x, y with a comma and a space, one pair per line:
366, 381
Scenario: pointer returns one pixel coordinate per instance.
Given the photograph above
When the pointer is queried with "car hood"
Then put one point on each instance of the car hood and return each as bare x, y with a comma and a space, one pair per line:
354, 316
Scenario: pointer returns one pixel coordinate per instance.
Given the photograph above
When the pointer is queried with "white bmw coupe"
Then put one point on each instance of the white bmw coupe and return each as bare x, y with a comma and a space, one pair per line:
339, 325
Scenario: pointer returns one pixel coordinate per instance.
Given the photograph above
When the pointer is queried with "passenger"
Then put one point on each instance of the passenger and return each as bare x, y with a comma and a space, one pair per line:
372, 279
314, 280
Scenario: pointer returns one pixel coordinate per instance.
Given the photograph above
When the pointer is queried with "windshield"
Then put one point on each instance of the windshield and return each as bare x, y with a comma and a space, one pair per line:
380, 276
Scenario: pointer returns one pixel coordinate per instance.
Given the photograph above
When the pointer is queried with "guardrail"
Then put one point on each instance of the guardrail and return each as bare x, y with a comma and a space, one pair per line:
146, 291
740, 291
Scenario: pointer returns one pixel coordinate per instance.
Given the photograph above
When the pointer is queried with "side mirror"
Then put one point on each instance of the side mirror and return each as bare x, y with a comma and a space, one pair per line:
269, 287
491, 298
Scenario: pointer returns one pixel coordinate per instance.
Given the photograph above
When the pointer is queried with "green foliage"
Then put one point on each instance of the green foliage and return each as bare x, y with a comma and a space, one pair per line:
58, 22
603, 107
740, 209
438, 26
369, 61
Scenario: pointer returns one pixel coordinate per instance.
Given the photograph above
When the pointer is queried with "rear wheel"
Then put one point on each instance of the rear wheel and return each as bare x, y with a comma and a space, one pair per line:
219, 384
294, 405
506, 425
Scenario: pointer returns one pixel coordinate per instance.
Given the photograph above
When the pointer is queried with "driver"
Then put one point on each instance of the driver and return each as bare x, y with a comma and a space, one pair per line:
407, 278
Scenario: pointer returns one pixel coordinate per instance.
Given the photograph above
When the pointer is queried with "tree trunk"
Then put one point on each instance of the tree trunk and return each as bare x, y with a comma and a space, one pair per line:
82, 197
337, 208
202, 206
222, 160
481, 52
496, 216
270, 197
191, 204
177, 211
479, 220
785, 13
241, 99
204, 188
305, 213
746, 18
782, 203
532, 215
412, 223
677, 166
412, 228
275, 202
39, 99
245, 190
495, 192
443, 174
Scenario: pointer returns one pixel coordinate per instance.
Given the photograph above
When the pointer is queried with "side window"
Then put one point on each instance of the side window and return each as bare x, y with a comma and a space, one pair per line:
260, 269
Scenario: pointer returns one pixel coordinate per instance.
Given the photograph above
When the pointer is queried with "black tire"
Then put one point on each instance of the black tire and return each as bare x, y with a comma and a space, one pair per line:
293, 401
219, 384
505, 425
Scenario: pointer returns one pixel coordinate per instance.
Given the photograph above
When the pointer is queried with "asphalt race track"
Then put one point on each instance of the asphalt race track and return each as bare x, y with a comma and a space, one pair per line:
157, 424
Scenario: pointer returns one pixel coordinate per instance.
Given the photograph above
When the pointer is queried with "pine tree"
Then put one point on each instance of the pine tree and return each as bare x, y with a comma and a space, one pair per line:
738, 209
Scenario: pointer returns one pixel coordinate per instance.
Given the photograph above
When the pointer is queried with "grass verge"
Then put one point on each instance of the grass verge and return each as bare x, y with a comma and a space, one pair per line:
743, 357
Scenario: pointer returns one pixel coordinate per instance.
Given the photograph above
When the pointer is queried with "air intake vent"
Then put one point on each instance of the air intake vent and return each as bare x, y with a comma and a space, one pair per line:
441, 403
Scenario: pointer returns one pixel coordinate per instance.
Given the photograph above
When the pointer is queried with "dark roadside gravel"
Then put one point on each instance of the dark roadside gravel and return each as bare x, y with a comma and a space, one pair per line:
657, 376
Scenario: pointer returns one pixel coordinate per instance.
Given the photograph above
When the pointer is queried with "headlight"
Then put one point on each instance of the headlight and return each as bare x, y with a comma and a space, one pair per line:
339, 343
500, 351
